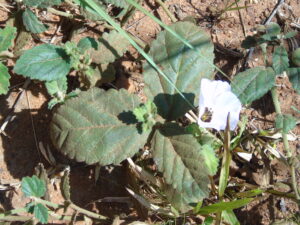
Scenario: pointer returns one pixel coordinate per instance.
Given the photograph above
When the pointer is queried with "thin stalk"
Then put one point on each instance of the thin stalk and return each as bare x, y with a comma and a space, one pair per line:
73, 206
14, 211
167, 11
7, 54
60, 13
285, 142
86, 212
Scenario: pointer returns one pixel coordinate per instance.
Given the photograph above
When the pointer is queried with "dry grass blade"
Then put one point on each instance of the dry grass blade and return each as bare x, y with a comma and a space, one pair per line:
149, 205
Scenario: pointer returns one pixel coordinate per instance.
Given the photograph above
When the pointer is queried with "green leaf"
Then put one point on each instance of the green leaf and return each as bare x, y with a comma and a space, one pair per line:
250, 193
30, 207
44, 62
102, 73
208, 221
41, 213
57, 88
290, 34
221, 206
41, 3
185, 69
294, 77
280, 60
203, 136
285, 122
271, 31
146, 114
98, 127
87, 43
33, 186
177, 155
65, 186
4, 79
230, 217
253, 83
7, 35
210, 159
110, 47
32, 23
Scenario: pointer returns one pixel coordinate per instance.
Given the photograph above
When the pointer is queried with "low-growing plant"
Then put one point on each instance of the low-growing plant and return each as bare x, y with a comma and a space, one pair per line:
105, 127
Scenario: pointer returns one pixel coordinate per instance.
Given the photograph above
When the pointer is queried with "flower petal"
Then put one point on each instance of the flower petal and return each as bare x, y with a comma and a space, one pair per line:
217, 96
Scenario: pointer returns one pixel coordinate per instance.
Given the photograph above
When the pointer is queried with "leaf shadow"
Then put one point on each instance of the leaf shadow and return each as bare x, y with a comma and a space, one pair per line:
109, 47
171, 107
129, 119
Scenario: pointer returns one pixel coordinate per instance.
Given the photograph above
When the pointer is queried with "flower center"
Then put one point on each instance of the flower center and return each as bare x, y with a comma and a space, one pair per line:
207, 115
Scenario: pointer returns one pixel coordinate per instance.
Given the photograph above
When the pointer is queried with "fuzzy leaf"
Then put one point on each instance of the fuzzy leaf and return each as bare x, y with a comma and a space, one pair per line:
41, 213
294, 77
253, 83
178, 156
146, 115
4, 79
203, 136
33, 186
210, 159
285, 122
184, 67
44, 62
98, 127
280, 60
110, 47
65, 186
41, 3
271, 31
32, 23
87, 43
57, 87
6, 36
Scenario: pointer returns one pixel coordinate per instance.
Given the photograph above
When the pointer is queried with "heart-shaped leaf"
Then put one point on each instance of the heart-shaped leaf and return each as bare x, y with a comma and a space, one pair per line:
98, 127
184, 67
181, 160
110, 47
33, 186
44, 62
32, 23
41, 213
253, 83
280, 60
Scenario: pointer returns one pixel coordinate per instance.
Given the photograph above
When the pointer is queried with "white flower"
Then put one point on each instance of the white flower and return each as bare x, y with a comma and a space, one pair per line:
216, 101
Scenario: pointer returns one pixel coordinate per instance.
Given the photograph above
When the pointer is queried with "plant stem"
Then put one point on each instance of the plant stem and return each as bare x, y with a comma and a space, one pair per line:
167, 11
73, 206
7, 54
14, 211
88, 213
60, 13
285, 142
47, 203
